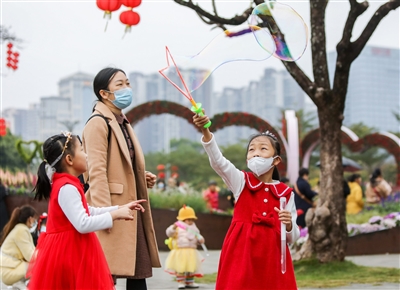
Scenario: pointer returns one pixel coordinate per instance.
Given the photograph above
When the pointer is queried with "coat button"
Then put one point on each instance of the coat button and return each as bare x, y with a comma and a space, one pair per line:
264, 213
265, 200
267, 189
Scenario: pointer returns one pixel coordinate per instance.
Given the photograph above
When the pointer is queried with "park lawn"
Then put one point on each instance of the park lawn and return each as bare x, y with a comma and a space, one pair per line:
311, 273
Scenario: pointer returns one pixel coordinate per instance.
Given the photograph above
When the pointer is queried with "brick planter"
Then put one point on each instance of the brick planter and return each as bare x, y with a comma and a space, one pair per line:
213, 227
16, 200
380, 242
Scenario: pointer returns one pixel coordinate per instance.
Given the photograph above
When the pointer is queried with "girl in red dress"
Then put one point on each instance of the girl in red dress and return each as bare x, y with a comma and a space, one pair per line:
251, 253
68, 254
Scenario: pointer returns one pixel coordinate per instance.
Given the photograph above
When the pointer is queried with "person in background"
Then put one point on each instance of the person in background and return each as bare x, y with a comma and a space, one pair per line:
184, 261
211, 196
354, 201
377, 188
17, 246
304, 196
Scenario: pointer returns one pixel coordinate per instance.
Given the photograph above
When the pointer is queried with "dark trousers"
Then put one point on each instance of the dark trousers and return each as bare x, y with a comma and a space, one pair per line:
136, 284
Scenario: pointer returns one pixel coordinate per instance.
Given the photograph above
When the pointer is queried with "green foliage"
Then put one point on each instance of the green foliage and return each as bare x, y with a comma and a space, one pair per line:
236, 154
176, 200
10, 159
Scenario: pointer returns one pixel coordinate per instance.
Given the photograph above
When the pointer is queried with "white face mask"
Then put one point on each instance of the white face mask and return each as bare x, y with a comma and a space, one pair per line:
33, 227
260, 165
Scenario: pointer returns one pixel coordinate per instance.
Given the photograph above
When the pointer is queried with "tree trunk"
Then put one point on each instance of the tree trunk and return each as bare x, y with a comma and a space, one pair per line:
327, 222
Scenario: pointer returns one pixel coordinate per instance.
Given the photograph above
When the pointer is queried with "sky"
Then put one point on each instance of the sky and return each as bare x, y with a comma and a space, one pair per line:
63, 37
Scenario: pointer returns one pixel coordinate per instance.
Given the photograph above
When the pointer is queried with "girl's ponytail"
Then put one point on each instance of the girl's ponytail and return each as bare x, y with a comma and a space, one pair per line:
43, 186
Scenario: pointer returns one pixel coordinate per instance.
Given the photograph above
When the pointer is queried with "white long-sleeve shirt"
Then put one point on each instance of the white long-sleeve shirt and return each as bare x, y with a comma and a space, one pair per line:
70, 202
235, 181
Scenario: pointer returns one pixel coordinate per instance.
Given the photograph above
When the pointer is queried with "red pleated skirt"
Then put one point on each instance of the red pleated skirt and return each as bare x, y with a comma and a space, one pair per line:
69, 260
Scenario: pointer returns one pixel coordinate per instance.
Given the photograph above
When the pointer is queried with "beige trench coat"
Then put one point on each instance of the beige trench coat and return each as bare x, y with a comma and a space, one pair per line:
113, 182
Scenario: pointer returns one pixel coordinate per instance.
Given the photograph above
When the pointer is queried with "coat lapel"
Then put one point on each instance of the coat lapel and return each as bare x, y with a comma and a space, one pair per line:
119, 135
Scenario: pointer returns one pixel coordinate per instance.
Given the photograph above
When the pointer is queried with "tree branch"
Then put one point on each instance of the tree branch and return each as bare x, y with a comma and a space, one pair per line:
356, 9
214, 18
301, 78
318, 45
358, 45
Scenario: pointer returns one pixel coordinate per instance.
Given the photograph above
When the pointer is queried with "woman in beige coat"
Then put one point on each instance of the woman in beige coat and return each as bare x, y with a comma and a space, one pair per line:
17, 246
116, 175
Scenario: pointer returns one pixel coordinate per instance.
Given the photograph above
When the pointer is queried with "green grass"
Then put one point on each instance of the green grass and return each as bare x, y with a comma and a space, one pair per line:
311, 273
362, 217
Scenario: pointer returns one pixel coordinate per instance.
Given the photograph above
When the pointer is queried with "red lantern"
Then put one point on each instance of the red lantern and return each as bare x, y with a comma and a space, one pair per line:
131, 3
9, 45
160, 167
129, 18
108, 6
3, 128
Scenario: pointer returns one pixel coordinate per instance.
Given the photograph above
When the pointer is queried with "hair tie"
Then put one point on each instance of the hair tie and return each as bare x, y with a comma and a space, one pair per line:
50, 170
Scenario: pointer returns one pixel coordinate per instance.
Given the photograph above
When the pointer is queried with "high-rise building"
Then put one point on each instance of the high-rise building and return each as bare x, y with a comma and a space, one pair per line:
373, 95
24, 123
79, 89
55, 116
155, 132
267, 98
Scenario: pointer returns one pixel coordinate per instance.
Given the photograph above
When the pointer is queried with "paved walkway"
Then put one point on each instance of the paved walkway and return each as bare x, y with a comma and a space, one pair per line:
164, 281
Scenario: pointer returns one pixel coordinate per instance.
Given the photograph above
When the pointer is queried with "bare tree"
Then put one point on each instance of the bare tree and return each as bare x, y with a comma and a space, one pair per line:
6, 35
327, 223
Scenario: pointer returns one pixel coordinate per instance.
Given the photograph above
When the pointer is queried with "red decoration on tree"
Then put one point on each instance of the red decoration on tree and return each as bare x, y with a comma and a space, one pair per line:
129, 18
12, 57
3, 128
108, 6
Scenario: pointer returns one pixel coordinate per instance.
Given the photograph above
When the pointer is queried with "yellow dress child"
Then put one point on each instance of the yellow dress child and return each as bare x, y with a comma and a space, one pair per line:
184, 260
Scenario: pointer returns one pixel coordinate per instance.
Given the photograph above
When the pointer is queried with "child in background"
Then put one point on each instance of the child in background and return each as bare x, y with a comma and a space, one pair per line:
251, 253
68, 254
211, 196
184, 261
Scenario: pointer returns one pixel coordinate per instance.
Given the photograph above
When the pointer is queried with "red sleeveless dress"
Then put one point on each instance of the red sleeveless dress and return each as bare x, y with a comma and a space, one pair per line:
65, 258
250, 256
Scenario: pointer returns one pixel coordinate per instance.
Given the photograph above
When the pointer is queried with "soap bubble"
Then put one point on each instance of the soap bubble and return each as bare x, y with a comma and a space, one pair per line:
231, 45
284, 25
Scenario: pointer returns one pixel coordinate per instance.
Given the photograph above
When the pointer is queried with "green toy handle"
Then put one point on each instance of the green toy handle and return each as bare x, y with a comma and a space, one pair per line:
199, 111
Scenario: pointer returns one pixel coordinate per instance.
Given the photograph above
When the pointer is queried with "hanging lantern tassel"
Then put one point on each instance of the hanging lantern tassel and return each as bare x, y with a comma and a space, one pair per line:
108, 6
129, 18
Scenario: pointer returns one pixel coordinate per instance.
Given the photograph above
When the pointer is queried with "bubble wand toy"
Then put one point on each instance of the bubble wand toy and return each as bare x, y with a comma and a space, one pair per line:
196, 107
182, 226
282, 201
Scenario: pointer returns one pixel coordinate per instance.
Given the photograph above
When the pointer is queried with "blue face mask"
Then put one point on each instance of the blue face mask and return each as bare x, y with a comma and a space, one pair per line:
123, 98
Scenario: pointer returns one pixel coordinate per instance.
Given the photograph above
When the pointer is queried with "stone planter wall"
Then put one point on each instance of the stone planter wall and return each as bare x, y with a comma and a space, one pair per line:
12, 201
381, 242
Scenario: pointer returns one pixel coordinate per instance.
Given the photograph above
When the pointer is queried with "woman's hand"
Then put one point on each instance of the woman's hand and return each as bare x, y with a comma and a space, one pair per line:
285, 217
134, 205
150, 179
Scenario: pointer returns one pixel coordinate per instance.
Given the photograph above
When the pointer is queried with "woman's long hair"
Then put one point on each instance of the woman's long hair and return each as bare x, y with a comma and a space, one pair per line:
377, 173
19, 215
